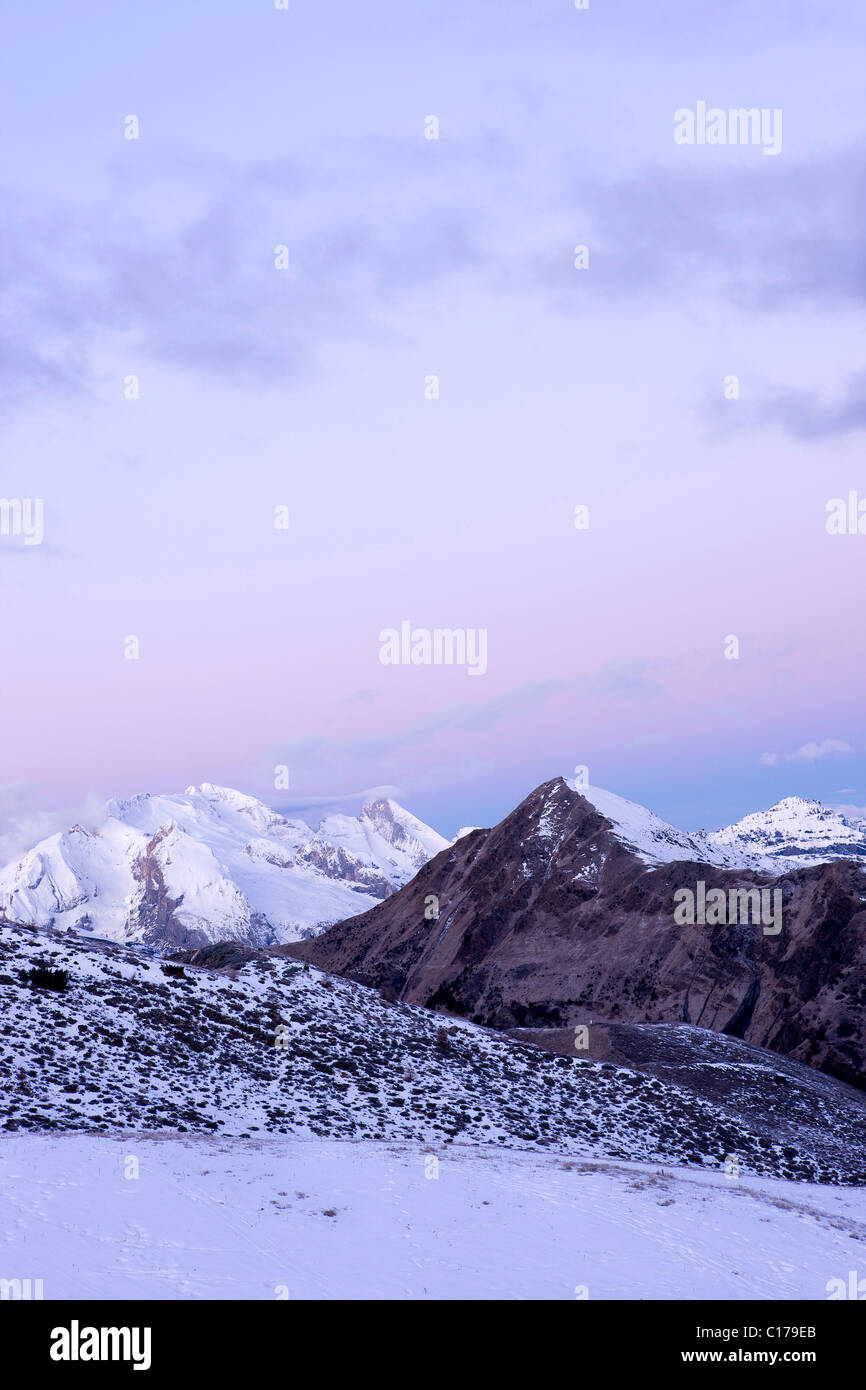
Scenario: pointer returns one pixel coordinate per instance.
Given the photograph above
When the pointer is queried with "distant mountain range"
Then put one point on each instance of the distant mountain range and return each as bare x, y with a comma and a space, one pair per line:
213, 865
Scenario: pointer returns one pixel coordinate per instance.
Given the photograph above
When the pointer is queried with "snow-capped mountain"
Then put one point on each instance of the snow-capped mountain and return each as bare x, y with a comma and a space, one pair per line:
213, 864
790, 835
795, 831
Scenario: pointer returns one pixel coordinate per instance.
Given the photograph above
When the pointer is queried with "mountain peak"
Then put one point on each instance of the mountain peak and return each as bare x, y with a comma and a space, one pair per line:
213, 864
796, 829
641, 830
401, 829
213, 792
796, 803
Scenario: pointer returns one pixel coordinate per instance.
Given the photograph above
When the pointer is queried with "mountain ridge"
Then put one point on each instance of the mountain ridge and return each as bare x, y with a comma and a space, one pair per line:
212, 863
559, 915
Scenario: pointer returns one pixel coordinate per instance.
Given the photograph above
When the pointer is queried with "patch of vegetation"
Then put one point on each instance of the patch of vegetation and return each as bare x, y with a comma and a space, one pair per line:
43, 977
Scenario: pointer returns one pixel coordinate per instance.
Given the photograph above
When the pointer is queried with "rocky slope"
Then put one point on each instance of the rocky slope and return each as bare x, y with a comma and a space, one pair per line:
132, 1043
787, 1100
564, 913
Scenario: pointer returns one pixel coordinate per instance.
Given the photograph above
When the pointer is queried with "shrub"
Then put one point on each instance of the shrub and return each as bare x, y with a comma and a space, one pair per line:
176, 970
43, 977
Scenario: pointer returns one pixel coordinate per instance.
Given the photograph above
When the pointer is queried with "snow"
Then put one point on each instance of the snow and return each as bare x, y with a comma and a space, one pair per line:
157, 1141
648, 835
217, 863
274, 1217
385, 834
790, 835
793, 833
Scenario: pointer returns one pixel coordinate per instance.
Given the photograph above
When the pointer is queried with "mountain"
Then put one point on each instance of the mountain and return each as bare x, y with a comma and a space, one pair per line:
134, 1043
213, 864
790, 835
793, 833
565, 914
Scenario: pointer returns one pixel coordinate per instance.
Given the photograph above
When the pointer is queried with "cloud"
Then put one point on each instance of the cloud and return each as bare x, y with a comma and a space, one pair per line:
370, 226
801, 414
322, 805
24, 822
313, 751
807, 752
797, 234
628, 679
364, 696
204, 292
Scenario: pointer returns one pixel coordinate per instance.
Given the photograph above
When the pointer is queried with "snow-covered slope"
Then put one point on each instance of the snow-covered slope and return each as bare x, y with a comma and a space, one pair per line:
792, 834
796, 831
213, 864
641, 830
264, 1044
284, 1218
384, 836
295, 1135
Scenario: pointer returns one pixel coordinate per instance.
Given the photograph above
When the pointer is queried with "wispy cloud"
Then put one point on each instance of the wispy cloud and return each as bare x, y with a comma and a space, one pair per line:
316, 751
808, 752
24, 822
203, 292
630, 679
321, 805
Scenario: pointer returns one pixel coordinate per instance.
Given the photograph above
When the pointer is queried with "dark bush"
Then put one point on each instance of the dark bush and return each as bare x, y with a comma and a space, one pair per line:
45, 978
176, 970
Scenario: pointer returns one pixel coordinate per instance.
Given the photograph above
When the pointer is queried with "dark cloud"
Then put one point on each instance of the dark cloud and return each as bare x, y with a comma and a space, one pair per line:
801, 414
761, 235
205, 294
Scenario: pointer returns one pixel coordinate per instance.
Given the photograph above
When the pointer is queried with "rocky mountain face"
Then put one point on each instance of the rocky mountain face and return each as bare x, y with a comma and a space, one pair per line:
570, 912
210, 865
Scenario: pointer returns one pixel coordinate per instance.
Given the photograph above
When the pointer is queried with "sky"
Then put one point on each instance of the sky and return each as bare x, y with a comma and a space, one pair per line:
422, 387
